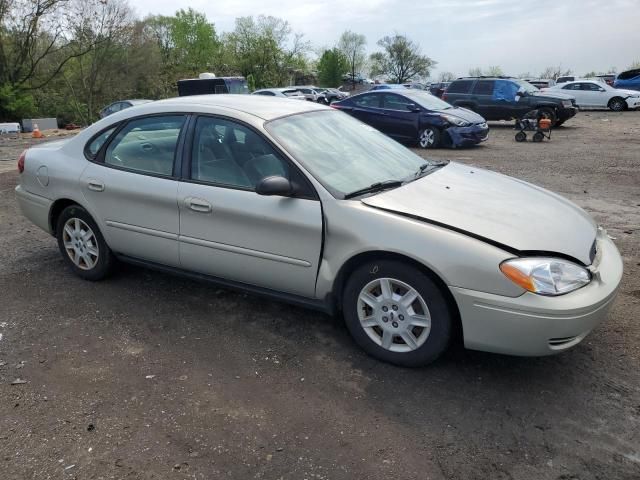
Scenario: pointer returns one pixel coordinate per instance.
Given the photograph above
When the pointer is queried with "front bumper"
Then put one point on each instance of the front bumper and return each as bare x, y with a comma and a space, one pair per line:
535, 325
565, 113
633, 102
466, 136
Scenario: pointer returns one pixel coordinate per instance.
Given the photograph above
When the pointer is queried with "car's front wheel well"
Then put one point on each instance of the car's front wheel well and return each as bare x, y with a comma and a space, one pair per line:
353, 263
56, 209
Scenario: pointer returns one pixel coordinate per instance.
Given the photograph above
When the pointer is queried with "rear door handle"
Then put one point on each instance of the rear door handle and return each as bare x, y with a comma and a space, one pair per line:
95, 185
198, 205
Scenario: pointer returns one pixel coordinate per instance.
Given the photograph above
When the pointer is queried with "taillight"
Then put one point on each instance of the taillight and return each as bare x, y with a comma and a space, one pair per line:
444, 96
21, 161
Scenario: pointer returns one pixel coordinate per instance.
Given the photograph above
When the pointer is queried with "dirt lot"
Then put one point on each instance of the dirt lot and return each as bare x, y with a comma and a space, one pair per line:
151, 376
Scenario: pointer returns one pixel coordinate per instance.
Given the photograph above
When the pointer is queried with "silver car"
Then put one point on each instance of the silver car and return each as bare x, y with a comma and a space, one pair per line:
303, 203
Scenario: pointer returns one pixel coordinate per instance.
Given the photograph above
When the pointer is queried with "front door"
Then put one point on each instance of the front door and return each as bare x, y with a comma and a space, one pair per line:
399, 122
131, 190
229, 231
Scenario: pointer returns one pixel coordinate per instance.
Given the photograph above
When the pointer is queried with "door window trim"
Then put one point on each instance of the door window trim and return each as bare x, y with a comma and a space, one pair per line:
99, 158
309, 192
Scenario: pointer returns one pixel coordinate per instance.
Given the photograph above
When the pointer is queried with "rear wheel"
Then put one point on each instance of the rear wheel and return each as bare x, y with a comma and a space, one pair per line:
429, 137
82, 245
521, 137
397, 313
617, 104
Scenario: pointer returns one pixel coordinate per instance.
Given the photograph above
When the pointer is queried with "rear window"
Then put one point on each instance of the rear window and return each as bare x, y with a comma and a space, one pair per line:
483, 87
460, 86
629, 74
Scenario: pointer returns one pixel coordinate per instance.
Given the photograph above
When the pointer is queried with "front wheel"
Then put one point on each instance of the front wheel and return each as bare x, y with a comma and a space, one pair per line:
617, 104
82, 245
429, 137
397, 313
521, 137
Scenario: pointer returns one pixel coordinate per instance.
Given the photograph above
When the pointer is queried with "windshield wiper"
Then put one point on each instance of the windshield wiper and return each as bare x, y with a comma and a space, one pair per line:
424, 166
375, 187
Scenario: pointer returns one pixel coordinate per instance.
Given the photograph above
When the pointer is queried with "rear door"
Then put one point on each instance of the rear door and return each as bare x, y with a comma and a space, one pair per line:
130, 187
368, 108
482, 96
398, 121
229, 231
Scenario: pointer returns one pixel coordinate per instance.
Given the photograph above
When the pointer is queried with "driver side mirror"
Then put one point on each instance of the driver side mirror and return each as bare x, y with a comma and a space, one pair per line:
412, 107
275, 186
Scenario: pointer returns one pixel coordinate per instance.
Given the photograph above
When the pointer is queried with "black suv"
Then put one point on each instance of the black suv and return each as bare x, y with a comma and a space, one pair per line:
506, 98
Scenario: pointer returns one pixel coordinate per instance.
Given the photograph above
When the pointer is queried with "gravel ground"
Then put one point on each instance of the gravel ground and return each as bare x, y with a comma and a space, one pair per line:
151, 376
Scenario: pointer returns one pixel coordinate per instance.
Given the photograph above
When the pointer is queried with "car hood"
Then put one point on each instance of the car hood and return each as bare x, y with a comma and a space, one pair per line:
464, 114
554, 94
499, 209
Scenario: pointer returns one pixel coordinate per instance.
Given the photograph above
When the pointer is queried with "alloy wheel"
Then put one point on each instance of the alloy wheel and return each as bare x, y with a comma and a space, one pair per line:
427, 138
80, 243
394, 315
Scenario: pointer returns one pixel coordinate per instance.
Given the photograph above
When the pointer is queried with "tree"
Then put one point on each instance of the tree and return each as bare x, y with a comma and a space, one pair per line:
475, 72
494, 71
633, 66
447, 77
352, 45
194, 42
554, 72
332, 65
400, 59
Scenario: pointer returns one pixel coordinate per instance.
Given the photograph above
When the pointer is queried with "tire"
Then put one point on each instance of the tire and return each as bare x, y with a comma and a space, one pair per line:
617, 104
550, 114
429, 138
426, 323
521, 137
79, 237
538, 137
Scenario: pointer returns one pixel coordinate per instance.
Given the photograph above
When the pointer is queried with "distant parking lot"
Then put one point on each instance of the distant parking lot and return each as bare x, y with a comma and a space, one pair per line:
151, 376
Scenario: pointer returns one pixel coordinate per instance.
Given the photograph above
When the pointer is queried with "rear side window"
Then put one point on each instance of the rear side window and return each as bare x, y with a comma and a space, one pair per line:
367, 101
483, 87
628, 75
572, 86
271, 94
146, 145
94, 146
460, 86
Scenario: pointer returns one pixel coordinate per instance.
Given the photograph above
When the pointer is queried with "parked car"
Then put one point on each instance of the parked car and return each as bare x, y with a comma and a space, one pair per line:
596, 94
208, 83
413, 115
629, 80
280, 92
332, 94
350, 77
418, 85
311, 93
120, 105
240, 191
566, 78
438, 88
608, 78
503, 98
12, 127
540, 82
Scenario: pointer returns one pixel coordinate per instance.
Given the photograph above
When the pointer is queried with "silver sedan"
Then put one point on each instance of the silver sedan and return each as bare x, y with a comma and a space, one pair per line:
305, 204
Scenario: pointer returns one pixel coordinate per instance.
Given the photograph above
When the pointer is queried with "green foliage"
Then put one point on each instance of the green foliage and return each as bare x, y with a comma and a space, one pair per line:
331, 67
251, 82
400, 60
14, 103
194, 43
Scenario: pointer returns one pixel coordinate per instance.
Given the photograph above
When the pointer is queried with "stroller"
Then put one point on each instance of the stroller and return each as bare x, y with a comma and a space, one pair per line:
534, 121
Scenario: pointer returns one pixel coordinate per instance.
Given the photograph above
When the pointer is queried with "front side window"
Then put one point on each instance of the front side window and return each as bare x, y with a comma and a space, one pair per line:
96, 143
395, 102
342, 153
228, 153
146, 145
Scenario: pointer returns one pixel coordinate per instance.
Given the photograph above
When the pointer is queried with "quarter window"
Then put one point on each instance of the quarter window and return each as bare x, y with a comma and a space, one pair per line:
96, 144
146, 145
227, 153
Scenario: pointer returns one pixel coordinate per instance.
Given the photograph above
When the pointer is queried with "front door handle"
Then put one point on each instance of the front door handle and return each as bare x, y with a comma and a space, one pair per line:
198, 205
95, 185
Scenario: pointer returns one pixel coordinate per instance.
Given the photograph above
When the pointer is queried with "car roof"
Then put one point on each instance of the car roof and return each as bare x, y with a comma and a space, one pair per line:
266, 108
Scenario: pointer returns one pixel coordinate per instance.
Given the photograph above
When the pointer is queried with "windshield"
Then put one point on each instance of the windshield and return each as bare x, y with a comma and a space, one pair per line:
526, 86
426, 100
343, 154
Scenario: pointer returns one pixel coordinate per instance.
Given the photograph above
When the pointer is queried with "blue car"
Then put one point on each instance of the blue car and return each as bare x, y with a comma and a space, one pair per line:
411, 115
387, 86
629, 80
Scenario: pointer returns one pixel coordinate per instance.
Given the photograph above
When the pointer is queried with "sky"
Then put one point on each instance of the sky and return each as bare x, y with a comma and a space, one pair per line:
518, 35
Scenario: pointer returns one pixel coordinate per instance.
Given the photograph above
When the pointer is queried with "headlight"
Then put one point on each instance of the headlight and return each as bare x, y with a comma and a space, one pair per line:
545, 276
566, 103
455, 120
